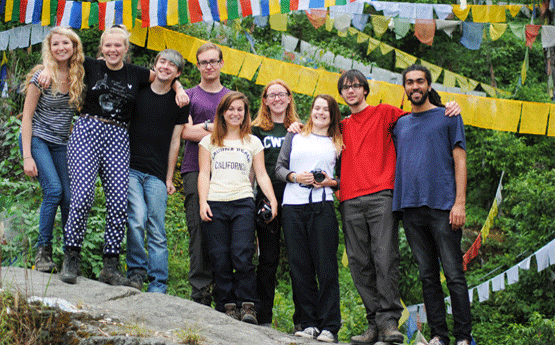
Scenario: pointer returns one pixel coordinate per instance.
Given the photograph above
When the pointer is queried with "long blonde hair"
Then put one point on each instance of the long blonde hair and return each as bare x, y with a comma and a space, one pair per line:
76, 69
334, 131
264, 116
220, 127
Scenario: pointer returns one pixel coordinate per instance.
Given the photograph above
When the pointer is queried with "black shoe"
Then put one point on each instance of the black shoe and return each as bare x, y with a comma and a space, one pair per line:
111, 273
136, 281
43, 260
70, 267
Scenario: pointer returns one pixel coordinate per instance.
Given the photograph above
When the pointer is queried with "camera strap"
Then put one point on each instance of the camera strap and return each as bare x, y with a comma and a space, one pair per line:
323, 200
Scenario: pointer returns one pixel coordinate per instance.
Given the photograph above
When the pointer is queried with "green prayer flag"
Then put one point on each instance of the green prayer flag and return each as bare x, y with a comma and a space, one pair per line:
232, 9
93, 16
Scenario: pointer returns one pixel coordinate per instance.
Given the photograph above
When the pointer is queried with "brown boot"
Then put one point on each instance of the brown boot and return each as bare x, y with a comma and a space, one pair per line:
391, 333
248, 313
232, 311
43, 260
370, 337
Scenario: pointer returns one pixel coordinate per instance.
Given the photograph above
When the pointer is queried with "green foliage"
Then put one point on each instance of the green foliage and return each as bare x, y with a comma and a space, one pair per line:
540, 332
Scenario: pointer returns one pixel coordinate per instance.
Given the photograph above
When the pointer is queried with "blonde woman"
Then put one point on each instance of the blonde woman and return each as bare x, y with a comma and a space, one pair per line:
45, 125
227, 204
99, 146
277, 112
307, 163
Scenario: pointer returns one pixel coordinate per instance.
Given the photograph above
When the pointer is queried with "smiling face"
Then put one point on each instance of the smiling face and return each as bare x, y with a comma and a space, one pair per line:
61, 48
235, 114
114, 50
320, 114
416, 87
165, 70
277, 99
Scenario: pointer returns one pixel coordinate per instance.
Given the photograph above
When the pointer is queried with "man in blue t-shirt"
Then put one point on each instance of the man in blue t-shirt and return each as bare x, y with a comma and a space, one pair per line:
154, 139
430, 193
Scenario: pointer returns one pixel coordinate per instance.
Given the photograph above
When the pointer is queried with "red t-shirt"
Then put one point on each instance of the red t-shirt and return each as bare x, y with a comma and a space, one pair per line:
368, 159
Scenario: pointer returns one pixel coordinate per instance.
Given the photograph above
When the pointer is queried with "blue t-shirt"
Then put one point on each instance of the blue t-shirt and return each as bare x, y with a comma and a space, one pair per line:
425, 171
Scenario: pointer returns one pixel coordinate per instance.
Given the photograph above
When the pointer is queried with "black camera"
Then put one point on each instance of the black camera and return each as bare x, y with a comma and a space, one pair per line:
319, 175
263, 211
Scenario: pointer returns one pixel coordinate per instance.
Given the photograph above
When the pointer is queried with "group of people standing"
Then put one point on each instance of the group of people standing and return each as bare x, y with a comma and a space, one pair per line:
129, 133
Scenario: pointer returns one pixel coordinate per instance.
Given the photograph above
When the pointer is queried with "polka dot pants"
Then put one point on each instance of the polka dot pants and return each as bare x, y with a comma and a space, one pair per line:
97, 148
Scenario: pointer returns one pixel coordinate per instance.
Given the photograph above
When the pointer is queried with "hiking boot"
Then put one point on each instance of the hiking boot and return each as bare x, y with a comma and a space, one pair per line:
370, 337
248, 313
327, 337
136, 281
436, 341
232, 311
463, 342
70, 267
111, 273
309, 332
43, 260
391, 333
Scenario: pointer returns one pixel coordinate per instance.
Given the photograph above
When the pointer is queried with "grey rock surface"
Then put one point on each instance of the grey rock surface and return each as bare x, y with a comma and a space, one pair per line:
160, 316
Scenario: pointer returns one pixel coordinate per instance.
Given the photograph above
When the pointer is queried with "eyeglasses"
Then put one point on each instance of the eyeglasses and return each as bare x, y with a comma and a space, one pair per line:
281, 95
354, 86
204, 63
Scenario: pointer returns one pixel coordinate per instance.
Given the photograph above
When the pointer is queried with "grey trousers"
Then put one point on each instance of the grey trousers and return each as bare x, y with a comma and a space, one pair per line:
372, 244
201, 272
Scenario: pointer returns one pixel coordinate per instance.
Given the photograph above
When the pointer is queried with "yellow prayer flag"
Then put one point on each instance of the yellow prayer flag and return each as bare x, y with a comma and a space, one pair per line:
499, 114
496, 30
449, 79
178, 41
345, 259
463, 82
488, 14
490, 90
268, 70
468, 106
233, 60
173, 13
385, 48
372, 44
406, 105
434, 69
460, 13
222, 9
329, 23
9, 11
195, 45
534, 117
489, 220
480, 13
274, 6
391, 94
380, 23
362, 37
403, 60
127, 15
85, 13
513, 9
138, 34
278, 21
551, 128
405, 315
342, 33
327, 83
374, 96
45, 16
309, 77
329, 3
472, 84
353, 31
250, 66
156, 39
290, 74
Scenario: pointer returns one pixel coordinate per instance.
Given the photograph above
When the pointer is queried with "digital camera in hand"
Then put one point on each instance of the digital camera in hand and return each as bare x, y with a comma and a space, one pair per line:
319, 175
263, 211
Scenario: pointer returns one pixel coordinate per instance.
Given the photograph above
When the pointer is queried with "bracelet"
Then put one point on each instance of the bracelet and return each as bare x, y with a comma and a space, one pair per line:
206, 124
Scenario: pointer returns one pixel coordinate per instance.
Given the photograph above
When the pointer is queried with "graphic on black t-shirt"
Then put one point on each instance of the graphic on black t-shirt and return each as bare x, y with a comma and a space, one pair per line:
113, 101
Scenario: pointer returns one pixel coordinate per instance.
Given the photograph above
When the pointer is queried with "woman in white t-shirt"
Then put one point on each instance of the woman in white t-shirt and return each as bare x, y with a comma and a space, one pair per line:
307, 162
227, 204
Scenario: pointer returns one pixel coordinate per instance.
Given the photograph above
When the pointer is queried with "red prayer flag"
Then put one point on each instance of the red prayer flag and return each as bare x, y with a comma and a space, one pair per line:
60, 11
22, 10
145, 14
102, 16
317, 17
195, 13
472, 252
532, 32
425, 30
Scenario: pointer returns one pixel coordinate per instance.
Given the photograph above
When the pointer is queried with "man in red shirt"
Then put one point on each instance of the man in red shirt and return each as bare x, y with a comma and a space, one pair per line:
371, 233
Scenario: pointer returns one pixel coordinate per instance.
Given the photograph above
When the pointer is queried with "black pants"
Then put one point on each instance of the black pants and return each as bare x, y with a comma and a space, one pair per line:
312, 239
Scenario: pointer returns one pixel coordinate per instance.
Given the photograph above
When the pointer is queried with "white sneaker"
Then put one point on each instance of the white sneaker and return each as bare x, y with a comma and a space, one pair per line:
309, 332
327, 337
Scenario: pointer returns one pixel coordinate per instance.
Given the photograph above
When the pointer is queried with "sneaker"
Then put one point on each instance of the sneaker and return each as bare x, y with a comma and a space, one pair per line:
231, 310
43, 260
327, 337
370, 337
111, 274
309, 332
136, 281
248, 313
70, 267
463, 342
436, 341
391, 333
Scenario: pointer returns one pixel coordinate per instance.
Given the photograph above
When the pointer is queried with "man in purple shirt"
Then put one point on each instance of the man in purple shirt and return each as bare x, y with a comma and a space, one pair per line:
205, 98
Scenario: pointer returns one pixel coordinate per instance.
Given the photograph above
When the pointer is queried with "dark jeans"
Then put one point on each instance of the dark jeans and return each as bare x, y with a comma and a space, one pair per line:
201, 272
372, 244
431, 238
230, 240
312, 239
